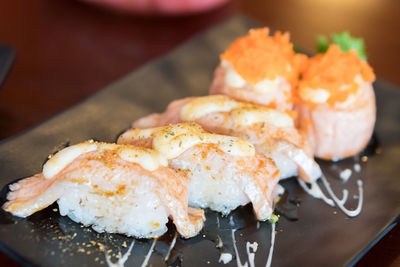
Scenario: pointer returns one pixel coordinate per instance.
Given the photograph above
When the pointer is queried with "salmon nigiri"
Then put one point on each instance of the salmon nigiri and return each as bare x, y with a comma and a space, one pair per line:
337, 103
260, 69
225, 171
272, 132
107, 186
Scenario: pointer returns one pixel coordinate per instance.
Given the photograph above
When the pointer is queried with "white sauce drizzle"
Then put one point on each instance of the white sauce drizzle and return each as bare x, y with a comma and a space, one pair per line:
357, 167
271, 248
171, 247
220, 243
340, 202
345, 175
254, 246
121, 259
316, 192
238, 261
146, 260
251, 254
225, 258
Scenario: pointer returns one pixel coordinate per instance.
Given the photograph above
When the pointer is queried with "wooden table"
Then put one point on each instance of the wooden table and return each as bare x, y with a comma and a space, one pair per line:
67, 50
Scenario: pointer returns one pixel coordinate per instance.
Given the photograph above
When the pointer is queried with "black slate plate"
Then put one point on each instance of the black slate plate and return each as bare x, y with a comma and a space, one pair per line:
322, 236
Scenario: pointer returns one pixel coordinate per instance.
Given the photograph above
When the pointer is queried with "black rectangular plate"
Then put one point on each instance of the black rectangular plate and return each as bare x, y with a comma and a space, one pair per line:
322, 236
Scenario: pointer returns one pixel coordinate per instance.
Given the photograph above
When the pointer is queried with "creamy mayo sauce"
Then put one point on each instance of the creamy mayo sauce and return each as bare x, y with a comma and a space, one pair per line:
147, 158
58, 162
173, 140
251, 115
314, 95
234, 79
320, 95
315, 191
267, 86
200, 106
243, 113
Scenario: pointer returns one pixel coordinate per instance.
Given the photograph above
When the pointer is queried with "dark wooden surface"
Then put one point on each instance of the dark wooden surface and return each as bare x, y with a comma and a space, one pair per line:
67, 50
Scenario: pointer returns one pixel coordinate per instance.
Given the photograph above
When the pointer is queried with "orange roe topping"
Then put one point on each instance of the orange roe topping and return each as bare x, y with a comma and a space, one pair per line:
258, 56
335, 72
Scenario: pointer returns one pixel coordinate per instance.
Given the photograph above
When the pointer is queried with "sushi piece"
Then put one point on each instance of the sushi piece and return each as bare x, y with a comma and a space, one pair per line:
225, 171
106, 186
272, 132
260, 69
337, 103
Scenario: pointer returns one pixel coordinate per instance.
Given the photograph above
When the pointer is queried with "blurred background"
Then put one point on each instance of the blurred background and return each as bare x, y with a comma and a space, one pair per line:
67, 49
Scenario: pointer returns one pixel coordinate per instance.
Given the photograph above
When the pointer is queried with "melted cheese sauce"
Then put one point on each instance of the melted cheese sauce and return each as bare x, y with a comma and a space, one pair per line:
58, 162
248, 115
244, 114
201, 106
173, 140
147, 158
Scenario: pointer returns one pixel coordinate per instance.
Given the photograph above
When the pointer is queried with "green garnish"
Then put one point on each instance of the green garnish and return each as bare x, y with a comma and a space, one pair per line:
323, 44
344, 41
273, 219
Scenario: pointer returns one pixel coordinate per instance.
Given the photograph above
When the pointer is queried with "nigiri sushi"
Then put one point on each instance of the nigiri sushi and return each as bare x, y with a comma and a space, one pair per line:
260, 69
337, 103
272, 132
225, 171
107, 186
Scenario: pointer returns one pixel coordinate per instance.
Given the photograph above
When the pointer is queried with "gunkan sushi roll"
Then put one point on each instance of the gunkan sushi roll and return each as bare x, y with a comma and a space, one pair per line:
336, 104
260, 69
